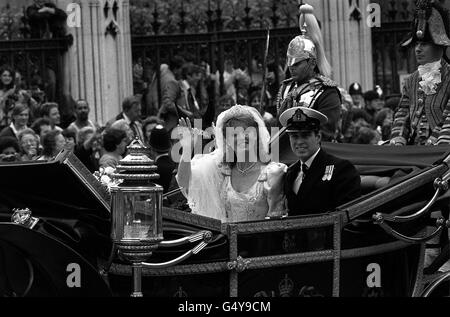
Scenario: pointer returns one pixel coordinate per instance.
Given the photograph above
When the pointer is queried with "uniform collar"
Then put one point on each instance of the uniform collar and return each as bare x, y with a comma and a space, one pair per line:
309, 162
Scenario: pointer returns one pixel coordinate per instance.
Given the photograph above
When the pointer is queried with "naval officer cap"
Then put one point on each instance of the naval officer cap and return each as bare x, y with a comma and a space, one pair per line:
298, 119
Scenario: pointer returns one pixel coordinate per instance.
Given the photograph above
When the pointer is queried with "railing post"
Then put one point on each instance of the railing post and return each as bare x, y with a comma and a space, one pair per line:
182, 22
156, 24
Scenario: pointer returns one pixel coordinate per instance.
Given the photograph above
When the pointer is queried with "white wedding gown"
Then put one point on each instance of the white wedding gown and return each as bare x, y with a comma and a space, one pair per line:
211, 193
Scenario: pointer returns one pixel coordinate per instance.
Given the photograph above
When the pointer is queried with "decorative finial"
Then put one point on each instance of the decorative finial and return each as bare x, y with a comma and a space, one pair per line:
304, 9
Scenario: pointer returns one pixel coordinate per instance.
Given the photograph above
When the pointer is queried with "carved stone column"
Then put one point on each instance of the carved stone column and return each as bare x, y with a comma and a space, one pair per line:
348, 40
98, 65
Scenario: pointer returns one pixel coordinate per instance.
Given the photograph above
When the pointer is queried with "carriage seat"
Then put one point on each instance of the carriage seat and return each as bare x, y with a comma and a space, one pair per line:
370, 183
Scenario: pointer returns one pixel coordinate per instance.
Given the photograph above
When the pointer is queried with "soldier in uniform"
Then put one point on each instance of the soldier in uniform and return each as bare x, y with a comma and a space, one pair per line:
423, 115
310, 85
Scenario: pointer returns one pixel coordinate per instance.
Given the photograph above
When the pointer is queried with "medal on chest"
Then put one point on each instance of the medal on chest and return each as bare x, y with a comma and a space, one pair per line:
328, 173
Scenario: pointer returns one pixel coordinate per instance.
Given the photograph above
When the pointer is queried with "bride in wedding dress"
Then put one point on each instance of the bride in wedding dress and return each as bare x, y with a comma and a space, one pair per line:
237, 182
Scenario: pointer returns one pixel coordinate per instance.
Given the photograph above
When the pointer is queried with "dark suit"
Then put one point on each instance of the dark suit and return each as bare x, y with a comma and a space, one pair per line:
86, 156
165, 170
8, 132
316, 195
170, 89
136, 127
177, 103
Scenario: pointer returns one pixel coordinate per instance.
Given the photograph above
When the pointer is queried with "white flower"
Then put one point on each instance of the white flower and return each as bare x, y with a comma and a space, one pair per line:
109, 170
105, 179
104, 176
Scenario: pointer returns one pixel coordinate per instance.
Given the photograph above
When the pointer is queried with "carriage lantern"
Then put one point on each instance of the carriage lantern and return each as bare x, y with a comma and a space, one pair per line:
136, 206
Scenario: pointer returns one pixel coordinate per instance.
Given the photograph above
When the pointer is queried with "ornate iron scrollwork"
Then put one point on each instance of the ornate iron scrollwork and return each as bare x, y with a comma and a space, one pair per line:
441, 185
206, 236
435, 284
239, 265
441, 223
23, 217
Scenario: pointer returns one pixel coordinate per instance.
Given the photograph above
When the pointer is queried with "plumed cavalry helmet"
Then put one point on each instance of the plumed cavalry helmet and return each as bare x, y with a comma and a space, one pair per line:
300, 48
431, 24
309, 44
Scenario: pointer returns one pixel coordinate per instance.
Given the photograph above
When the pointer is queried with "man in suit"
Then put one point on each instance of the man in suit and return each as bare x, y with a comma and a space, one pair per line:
131, 113
170, 89
185, 102
318, 182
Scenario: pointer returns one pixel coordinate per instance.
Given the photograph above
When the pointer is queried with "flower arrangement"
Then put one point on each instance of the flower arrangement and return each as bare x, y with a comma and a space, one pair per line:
104, 176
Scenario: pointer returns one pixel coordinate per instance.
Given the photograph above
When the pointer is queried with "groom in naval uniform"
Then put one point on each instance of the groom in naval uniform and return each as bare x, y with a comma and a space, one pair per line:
318, 182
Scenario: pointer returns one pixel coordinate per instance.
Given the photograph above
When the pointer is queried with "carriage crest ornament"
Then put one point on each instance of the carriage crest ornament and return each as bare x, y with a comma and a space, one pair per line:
180, 292
286, 287
23, 217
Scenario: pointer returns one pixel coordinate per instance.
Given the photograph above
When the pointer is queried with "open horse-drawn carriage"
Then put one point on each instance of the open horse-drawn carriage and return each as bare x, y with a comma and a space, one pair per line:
373, 246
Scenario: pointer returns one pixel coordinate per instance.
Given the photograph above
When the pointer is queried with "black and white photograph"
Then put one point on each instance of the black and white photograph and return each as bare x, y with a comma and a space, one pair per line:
224, 153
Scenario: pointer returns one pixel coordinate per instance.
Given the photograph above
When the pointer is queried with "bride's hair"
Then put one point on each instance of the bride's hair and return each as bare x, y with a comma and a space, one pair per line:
249, 117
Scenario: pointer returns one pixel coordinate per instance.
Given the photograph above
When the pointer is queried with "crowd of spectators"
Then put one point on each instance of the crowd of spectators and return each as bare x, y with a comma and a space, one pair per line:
31, 127
367, 117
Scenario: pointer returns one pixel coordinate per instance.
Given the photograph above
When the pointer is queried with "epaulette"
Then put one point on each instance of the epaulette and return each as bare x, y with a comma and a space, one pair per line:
327, 81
